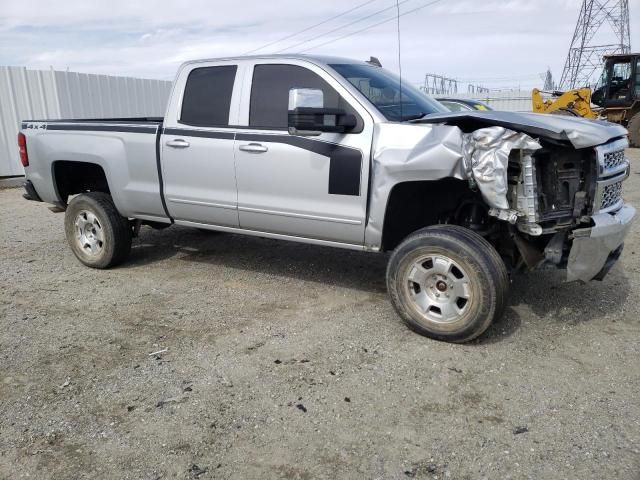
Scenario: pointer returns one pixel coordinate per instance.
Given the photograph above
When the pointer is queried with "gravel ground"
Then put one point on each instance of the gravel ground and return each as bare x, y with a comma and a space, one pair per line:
287, 361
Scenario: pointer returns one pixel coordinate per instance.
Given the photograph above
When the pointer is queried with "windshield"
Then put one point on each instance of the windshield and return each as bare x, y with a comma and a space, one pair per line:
382, 89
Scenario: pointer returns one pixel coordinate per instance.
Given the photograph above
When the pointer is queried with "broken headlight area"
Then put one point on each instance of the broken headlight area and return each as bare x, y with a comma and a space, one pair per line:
563, 205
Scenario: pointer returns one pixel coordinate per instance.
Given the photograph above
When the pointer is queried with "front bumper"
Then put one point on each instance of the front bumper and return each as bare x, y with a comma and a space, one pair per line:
596, 249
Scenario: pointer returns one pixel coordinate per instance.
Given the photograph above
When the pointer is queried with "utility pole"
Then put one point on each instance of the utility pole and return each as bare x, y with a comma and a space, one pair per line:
585, 53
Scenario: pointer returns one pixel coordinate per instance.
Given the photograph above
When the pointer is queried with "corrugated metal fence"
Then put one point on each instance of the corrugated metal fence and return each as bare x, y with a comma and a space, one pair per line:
505, 100
51, 94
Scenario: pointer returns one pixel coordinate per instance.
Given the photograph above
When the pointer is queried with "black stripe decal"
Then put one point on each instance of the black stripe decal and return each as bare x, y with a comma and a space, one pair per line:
103, 120
104, 128
199, 133
345, 165
160, 179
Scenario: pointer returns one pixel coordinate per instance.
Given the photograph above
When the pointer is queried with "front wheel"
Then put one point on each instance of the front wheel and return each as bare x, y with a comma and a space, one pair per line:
447, 282
96, 232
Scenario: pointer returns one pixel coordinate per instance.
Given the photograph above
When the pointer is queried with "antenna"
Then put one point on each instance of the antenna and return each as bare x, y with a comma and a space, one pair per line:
399, 55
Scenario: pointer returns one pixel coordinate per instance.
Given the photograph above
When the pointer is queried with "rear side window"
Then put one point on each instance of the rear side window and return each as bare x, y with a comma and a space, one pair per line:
270, 94
207, 96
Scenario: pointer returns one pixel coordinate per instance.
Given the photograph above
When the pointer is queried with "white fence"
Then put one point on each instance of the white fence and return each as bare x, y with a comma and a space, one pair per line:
49, 94
505, 100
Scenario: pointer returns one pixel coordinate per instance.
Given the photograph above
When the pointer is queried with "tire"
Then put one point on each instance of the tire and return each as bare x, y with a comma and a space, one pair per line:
447, 283
97, 234
634, 130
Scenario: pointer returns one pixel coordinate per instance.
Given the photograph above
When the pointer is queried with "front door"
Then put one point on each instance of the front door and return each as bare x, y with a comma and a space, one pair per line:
197, 150
311, 187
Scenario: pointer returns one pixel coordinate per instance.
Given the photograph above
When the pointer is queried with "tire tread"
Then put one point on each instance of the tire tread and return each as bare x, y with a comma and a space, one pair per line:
485, 254
634, 130
119, 225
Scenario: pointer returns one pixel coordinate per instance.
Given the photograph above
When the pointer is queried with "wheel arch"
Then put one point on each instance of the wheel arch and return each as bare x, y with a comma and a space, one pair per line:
71, 177
414, 205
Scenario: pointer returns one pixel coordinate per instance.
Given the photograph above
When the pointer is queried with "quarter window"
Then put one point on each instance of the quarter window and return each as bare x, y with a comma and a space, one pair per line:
270, 94
207, 96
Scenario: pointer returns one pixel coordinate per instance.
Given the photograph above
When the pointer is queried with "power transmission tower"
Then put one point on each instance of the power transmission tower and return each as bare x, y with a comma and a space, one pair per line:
585, 54
471, 88
439, 85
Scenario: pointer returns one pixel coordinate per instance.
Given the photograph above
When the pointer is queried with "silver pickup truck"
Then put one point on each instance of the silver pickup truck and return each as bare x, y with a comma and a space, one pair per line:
329, 151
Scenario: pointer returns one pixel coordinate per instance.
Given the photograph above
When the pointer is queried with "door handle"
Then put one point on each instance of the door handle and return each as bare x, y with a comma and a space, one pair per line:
254, 148
178, 143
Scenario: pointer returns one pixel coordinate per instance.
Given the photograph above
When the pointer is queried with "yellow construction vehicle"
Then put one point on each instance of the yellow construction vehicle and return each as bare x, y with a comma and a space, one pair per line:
617, 95
573, 102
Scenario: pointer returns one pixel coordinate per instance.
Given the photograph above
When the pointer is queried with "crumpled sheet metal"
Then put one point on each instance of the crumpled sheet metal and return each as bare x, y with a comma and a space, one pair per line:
486, 159
403, 153
592, 246
580, 132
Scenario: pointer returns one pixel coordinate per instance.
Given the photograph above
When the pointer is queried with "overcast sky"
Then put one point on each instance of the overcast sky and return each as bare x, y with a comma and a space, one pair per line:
490, 42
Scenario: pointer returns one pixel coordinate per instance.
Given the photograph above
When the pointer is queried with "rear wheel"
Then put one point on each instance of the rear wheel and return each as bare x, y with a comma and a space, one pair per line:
97, 234
634, 130
447, 283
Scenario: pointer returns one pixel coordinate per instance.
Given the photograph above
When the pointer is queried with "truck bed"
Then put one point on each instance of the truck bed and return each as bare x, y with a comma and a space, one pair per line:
125, 149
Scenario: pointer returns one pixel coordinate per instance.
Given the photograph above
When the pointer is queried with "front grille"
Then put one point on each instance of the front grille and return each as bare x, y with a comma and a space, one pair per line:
613, 159
613, 169
611, 195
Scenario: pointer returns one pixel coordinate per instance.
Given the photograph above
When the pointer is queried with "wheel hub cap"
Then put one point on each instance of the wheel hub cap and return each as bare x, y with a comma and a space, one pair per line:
439, 288
89, 234
442, 286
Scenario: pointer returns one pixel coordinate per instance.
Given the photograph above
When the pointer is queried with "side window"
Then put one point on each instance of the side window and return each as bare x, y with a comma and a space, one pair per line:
638, 78
207, 96
270, 94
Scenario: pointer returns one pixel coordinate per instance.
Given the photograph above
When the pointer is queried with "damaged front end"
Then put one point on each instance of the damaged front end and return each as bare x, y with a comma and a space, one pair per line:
565, 204
550, 190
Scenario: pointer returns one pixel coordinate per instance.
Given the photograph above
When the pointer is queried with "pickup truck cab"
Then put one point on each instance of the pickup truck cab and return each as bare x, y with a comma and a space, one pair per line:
329, 151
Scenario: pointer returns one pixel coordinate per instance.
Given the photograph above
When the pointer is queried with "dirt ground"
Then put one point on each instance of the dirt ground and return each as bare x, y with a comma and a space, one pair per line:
287, 361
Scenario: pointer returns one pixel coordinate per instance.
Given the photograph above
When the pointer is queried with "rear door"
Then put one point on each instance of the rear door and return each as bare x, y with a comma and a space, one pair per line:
197, 146
312, 187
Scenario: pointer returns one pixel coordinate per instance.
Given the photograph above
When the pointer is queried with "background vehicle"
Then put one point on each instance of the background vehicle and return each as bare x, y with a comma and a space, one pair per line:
617, 93
329, 151
463, 104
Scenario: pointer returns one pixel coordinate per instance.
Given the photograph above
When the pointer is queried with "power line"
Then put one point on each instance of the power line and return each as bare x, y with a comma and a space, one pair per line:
371, 26
311, 27
341, 27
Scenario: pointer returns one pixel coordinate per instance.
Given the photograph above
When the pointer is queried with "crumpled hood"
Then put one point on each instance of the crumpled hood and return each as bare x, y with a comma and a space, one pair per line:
581, 132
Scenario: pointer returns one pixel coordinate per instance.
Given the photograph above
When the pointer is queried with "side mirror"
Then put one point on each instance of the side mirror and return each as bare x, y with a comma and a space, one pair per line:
309, 117
306, 97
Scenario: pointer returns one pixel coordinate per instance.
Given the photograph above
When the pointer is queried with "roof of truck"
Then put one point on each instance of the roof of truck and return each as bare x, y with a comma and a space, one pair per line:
325, 59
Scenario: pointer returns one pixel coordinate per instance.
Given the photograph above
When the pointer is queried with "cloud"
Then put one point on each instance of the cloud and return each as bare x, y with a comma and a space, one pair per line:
510, 39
